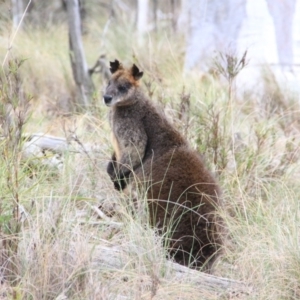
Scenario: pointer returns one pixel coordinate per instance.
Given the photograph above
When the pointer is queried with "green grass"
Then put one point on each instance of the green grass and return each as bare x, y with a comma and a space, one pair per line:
251, 144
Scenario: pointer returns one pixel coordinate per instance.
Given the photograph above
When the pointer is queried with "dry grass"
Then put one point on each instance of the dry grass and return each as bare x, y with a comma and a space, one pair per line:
57, 249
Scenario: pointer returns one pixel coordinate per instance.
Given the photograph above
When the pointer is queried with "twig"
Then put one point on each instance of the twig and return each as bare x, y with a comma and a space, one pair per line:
103, 216
15, 33
100, 67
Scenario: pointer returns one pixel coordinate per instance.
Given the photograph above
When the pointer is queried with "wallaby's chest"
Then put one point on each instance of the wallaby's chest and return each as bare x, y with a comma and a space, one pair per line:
122, 125
121, 122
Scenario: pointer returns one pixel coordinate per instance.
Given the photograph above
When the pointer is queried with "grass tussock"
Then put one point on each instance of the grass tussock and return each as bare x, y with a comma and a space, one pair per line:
54, 245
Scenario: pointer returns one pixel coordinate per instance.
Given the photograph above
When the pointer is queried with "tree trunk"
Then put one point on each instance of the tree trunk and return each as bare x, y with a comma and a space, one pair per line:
79, 66
174, 15
213, 26
155, 6
282, 13
82, 12
17, 11
142, 16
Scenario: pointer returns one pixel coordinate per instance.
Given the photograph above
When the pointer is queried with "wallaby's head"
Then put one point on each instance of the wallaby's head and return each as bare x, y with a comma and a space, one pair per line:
122, 86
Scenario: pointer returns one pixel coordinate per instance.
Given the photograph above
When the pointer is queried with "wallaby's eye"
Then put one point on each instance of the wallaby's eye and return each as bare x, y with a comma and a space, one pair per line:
122, 88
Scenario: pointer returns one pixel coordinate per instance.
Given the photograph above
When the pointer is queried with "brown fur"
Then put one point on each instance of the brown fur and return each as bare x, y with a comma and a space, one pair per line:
182, 194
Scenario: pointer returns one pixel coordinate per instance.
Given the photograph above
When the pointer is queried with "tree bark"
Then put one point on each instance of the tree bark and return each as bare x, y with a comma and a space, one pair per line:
174, 15
155, 6
79, 66
113, 257
212, 26
282, 13
17, 11
142, 16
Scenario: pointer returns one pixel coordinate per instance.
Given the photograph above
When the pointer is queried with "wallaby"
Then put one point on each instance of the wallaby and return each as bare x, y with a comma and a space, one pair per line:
149, 152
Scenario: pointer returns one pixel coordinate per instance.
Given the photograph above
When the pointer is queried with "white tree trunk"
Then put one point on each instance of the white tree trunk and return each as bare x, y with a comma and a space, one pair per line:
282, 13
17, 11
267, 29
142, 16
269, 33
79, 66
212, 26
199, 35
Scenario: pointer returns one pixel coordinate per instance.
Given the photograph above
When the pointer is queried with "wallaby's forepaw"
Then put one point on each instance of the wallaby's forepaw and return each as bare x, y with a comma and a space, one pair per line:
119, 184
118, 178
111, 169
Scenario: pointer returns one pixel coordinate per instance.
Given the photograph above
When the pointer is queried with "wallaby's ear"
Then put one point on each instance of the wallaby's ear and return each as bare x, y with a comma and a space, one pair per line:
136, 72
115, 66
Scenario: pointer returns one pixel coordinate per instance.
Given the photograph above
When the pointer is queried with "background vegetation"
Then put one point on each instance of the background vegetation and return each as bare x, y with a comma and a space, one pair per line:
52, 238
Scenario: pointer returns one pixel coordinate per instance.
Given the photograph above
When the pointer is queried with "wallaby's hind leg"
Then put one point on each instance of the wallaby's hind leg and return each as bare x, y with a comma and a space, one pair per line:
182, 198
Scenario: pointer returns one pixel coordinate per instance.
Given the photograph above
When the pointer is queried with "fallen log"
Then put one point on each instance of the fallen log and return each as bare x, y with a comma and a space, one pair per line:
46, 142
58, 145
113, 258
38, 145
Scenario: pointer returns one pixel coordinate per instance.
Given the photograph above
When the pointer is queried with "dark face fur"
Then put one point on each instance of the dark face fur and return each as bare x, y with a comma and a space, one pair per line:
122, 85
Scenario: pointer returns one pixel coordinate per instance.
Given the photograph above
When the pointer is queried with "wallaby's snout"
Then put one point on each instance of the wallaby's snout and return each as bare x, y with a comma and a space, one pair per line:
107, 99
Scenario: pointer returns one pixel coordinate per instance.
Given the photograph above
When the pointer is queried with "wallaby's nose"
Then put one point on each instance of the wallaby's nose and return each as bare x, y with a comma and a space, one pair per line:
107, 99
